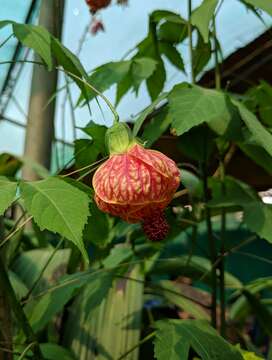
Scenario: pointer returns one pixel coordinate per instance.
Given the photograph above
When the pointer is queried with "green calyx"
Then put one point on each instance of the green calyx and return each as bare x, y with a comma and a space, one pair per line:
119, 138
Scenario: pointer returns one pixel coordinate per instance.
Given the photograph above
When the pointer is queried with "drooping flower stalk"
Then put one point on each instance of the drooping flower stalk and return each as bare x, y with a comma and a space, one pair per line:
136, 184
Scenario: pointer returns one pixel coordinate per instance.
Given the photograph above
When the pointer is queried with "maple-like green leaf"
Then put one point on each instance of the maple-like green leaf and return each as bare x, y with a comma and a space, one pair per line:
202, 16
191, 106
59, 207
174, 338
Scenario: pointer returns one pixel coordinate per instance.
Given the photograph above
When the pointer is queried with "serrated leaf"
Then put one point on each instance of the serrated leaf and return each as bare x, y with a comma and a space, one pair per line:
123, 87
201, 54
142, 69
172, 55
175, 337
202, 16
7, 193
191, 106
261, 4
155, 83
172, 31
261, 135
37, 38
58, 207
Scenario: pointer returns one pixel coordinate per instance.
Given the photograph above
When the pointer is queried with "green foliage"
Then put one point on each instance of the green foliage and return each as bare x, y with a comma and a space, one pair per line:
156, 127
18, 285
99, 229
87, 150
54, 351
7, 193
262, 4
166, 30
172, 293
57, 206
195, 269
174, 338
240, 308
202, 16
9, 164
37, 38
262, 136
70, 63
257, 215
101, 307
41, 311
117, 255
140, 120
106, 75
29, 264
263, 315
201, 54
50, 49
113, 327
258, 100
192, 105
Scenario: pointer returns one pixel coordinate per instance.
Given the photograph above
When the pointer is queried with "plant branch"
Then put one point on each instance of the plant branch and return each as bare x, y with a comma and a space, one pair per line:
148, 337
12, 233
111, 107
190, 36
212, 246
33, 287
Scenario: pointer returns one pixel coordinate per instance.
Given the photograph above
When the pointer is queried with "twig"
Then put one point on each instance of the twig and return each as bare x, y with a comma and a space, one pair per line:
190, 36
11, 234
148, 337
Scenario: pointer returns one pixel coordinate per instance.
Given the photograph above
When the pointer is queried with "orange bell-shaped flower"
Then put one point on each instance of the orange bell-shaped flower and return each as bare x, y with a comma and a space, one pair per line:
136, 185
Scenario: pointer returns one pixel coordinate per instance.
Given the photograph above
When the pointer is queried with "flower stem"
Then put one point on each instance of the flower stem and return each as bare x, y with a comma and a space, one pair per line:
221, 265
148, 337
111, 107
190, 36
212, 246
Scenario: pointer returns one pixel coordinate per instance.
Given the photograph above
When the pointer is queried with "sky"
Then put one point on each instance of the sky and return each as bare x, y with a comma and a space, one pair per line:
124, 28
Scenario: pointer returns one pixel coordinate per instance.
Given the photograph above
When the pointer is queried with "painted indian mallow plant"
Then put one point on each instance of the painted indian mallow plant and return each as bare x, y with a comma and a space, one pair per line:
127, 276
136, 184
